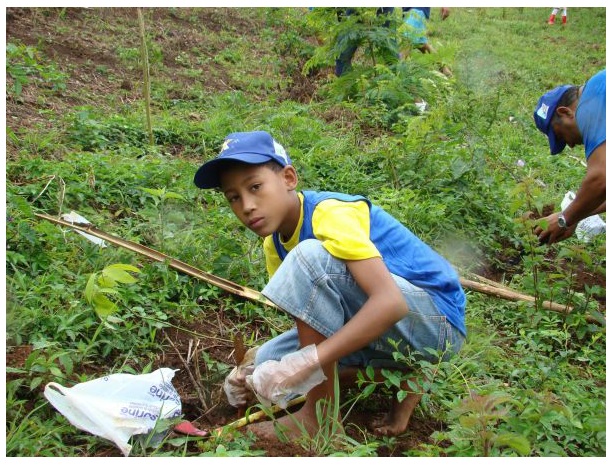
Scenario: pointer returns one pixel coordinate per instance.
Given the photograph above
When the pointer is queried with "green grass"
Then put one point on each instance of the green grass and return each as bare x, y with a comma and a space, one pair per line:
451, 175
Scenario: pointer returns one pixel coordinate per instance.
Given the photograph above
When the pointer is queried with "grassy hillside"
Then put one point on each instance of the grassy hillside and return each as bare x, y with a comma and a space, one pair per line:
461, 175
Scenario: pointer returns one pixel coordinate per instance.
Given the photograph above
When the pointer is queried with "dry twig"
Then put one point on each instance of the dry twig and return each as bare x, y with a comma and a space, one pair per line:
196, 384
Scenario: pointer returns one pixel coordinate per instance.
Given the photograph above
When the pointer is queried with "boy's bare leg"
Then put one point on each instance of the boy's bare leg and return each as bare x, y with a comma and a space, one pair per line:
305, 418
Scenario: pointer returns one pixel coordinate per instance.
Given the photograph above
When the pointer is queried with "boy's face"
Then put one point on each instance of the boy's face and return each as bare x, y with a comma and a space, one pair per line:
263, 199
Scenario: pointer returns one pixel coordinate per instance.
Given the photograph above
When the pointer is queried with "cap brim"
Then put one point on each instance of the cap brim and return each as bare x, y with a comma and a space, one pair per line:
555, 145
208, 176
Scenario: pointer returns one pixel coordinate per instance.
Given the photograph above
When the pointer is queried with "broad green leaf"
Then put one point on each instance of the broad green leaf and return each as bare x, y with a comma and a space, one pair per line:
123, 266
596, 423
90, 288
368, 390
55, 371
103, 305
35, 383
394, 379
119, 275
516, 441
67, 363
19, 371
155, 192
173, 195
42, 345
413, 385
108, 290
106, 281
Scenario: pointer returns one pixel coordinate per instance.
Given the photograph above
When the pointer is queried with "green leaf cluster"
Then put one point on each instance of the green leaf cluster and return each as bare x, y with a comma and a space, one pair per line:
106, 282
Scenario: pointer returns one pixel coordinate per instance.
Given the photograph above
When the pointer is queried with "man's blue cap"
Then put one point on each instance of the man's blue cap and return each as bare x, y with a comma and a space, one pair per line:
254, 148
544, 112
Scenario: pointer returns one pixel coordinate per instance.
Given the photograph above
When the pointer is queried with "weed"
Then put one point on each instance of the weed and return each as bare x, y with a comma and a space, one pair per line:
24, 63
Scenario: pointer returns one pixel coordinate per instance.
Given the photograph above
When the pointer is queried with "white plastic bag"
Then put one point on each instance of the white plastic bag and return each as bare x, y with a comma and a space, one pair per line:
74, 217
588, 227
118, 406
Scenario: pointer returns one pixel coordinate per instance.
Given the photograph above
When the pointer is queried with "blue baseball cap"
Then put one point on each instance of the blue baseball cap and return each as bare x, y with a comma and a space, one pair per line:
254, 148
544, 112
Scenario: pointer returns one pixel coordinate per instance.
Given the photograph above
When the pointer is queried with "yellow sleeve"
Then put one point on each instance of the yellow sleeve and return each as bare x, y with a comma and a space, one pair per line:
343, 229
272, 260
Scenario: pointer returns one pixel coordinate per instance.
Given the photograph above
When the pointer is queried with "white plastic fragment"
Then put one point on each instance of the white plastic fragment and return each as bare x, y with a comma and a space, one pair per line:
588, 227
422, 106
74, 217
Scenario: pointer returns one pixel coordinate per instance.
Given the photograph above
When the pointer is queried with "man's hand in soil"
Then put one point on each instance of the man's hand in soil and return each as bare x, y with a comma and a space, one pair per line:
295, 374
553, 233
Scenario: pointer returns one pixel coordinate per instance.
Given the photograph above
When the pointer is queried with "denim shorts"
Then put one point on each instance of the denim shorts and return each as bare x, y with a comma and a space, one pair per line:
318, 289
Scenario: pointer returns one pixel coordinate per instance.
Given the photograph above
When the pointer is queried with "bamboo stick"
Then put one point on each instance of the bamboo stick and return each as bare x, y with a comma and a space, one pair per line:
146, 76
258, 415
222, 283
500, 291
508, 294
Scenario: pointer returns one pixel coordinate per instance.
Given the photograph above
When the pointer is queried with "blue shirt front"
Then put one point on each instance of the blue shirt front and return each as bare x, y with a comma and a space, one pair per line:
592, 112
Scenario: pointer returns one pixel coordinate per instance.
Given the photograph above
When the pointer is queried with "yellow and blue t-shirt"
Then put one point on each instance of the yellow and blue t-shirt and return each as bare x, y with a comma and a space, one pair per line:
351, 228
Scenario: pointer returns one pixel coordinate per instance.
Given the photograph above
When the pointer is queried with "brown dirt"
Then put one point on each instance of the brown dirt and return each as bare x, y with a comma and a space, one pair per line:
213, 411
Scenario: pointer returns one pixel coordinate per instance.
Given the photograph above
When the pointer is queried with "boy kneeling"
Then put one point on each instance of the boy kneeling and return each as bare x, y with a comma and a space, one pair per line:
352, 276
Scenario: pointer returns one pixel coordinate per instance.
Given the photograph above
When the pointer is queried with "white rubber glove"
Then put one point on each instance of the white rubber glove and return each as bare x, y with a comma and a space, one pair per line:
295, 374
238, 393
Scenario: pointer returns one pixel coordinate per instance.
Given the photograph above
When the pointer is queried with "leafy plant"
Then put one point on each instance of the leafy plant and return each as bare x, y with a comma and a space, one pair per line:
105, 282
477, 431
160, 198
24, 62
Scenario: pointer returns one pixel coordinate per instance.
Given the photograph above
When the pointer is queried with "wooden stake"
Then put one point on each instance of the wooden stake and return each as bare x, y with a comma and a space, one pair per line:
259, 415
499, 291
222, 283
508, 294
145, 72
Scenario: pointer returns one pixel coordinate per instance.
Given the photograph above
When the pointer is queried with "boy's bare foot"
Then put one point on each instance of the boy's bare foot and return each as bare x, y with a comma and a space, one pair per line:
291, 427
396, 420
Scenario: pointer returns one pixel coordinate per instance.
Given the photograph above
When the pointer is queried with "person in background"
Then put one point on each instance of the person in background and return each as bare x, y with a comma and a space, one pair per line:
416, 18
343, 63
358, 284
552, 16
576, 115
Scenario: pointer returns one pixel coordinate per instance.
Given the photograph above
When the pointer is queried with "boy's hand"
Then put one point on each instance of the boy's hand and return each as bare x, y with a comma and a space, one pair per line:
238, 393
235, 387
295, 374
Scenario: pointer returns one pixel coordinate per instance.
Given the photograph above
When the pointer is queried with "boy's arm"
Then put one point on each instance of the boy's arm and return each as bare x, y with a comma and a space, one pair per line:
384, 307
298, 372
